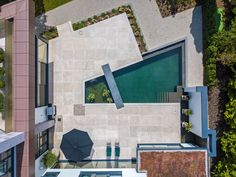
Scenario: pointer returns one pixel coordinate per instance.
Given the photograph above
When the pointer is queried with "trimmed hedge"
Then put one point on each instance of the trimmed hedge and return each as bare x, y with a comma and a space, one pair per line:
1, 102
2, 83
2, 55
2, 71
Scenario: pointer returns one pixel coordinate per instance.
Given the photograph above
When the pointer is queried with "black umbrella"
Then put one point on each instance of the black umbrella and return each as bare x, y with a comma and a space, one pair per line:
76, 145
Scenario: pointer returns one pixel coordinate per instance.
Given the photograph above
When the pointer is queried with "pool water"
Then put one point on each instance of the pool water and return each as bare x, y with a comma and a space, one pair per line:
145, 81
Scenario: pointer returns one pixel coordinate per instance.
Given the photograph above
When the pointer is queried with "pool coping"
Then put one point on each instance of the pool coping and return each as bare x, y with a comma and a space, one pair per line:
164, 48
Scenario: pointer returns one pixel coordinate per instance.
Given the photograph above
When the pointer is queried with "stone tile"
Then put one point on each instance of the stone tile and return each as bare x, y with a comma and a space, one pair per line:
79, 57
79, 110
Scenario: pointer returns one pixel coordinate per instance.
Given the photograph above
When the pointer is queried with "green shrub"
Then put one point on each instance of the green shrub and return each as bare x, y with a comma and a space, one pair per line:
188, 126
212, 51
1, 102
79, 25
228, 145
188, 112
106, 93
2, 83
50, 34
211, 75
230, 113
2, 71
2, 55
49, 159
91, 97
109, 100
224, 169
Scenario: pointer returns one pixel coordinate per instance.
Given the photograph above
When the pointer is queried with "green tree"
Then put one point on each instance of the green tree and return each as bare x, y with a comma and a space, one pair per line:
230, 114
228, 145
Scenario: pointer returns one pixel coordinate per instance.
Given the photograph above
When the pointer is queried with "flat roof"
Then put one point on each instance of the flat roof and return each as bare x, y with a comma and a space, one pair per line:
76, 172
178, 163
10, 140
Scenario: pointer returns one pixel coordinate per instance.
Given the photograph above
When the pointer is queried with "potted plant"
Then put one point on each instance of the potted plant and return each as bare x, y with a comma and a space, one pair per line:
91, 97
185, 97
187, 126
187, 112
49, 159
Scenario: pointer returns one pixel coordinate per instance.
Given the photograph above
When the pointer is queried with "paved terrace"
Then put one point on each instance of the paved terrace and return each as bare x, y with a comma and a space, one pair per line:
79, 55
157, 31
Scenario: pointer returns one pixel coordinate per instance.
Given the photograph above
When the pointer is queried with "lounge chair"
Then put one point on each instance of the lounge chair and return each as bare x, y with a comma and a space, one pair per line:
108, 150
117, 150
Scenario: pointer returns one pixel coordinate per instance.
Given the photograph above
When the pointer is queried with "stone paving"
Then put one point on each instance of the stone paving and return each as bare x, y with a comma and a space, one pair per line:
79, 55
157, 31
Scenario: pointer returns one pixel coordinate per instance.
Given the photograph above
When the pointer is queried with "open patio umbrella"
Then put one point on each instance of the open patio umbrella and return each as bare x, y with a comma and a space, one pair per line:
76, 145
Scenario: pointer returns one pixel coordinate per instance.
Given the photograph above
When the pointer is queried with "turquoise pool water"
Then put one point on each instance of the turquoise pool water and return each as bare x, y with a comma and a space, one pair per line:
145, 81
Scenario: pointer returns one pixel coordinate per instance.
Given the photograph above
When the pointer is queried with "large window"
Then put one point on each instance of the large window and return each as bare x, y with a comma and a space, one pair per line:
42, 143
41, 74
7, 164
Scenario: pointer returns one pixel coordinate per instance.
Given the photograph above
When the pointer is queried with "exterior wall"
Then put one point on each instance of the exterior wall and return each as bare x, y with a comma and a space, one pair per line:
195, 118
39, 168
23, 68
40, 114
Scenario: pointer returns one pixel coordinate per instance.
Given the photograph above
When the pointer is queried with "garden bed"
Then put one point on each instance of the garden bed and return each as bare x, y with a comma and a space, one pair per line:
52, 32
170, 7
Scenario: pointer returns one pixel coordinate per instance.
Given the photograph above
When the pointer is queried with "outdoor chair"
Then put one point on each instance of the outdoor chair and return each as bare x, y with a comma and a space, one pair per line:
117, 150
108, 150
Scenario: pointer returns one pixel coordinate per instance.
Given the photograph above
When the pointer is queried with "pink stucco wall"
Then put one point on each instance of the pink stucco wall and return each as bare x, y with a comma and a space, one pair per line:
23, 75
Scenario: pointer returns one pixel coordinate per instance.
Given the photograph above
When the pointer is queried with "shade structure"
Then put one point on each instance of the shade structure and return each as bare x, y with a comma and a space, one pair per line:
76, 145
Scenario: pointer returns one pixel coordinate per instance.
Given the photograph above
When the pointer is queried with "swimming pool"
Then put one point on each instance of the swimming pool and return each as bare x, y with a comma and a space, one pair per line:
145, 81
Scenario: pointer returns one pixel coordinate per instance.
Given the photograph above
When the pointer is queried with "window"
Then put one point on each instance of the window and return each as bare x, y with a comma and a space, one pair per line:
7, 163
42, 144
41, 73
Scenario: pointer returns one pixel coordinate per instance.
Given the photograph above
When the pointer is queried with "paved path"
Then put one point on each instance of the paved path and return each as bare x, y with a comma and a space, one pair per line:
157, 31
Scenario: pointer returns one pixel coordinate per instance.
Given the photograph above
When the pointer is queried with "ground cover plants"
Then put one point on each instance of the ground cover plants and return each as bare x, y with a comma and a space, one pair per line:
220, 76
52, 32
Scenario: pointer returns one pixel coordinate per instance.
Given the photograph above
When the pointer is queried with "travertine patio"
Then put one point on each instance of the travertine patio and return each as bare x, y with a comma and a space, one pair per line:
77, 56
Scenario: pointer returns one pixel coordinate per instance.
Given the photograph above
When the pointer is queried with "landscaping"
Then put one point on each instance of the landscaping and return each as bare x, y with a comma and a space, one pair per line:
42, 6
2, 79
52, 32
49, 159
97, 93
220, 76
170, 7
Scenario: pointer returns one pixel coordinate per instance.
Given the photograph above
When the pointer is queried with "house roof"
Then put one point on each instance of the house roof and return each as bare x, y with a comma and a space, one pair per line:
176, 163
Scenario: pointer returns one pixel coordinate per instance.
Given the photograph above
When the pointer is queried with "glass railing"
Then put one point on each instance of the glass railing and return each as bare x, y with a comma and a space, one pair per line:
121, 163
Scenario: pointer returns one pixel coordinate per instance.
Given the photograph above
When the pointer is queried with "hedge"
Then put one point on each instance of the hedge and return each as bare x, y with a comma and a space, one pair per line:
2, 55
1, 102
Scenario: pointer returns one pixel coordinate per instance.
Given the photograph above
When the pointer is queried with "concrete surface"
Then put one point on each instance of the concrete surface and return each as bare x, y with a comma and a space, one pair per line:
157, 31
78, 56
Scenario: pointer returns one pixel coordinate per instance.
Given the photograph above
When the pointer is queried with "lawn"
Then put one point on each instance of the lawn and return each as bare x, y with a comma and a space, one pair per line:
42, 6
